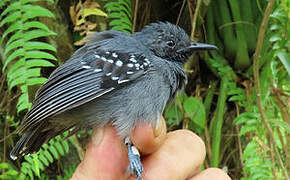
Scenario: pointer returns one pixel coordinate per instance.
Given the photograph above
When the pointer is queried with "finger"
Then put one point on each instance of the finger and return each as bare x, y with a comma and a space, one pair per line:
211, 173
148, 139
105, 158
181, 154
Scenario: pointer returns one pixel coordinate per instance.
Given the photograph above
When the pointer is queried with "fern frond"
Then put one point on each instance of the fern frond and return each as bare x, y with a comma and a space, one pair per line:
36, 163
120, 13
24, 55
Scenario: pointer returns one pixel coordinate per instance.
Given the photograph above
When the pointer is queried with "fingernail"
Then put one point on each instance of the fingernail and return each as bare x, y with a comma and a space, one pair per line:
158, 128
97, 136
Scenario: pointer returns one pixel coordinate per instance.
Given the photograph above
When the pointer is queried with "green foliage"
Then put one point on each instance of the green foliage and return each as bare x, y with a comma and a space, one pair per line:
24, 54
257, 163
35, 163
119, 13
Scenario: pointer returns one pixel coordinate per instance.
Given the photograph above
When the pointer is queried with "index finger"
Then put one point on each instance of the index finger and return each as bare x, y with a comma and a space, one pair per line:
148, 138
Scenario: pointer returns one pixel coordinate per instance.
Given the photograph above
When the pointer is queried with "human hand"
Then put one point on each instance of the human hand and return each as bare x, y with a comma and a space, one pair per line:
177, 155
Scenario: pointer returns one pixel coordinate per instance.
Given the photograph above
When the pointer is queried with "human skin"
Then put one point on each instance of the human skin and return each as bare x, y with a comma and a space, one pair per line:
177, 155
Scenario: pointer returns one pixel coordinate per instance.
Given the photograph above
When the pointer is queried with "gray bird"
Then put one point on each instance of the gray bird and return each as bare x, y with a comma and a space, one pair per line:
116, 78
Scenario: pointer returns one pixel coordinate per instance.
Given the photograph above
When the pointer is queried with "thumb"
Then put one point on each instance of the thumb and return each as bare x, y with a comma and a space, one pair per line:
105, 158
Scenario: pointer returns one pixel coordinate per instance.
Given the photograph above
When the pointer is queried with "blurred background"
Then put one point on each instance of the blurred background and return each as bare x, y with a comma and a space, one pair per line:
237, 98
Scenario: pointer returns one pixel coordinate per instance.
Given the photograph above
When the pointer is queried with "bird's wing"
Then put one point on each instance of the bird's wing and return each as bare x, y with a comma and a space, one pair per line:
82, 79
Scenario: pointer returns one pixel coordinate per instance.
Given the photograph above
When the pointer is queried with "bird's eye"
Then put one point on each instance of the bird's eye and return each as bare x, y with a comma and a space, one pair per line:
170, 43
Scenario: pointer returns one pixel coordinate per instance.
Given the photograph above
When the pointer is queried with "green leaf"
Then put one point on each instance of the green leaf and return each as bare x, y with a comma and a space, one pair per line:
15, 44
27, 36
194, 108
12, 17
36, 163
38, 45
38, 63
42, 158
10, 8
59, 148
246, 129
32, 11
34, 81
12, 56
39, 54
53, 151
48, 155
285, 60
14, 27
96, 12
15, 36
35, 24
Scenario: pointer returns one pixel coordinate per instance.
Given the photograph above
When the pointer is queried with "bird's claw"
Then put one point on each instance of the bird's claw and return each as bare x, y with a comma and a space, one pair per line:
135, 167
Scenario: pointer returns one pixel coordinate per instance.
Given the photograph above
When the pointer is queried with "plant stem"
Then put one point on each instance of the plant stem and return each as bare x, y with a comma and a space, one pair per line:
194, 19
135, 16
257, 55
217, 128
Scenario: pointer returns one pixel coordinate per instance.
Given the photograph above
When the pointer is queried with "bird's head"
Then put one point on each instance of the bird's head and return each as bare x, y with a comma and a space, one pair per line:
169, 41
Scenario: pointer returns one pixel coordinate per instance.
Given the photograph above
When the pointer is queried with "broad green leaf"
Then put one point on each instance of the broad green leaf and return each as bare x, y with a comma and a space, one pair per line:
285, 60
195, 109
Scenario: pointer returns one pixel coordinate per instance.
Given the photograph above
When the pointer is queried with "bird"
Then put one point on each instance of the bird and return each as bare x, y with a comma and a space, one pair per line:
115, 78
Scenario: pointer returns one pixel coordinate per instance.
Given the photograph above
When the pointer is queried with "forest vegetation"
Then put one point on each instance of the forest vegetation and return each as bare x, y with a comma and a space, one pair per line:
237, 98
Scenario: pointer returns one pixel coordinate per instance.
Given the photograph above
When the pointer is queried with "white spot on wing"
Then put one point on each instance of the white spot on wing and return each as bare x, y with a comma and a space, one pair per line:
122, 81
115, 78
104, 59
107, 52
133, 60
130, 65
109, 74
119, 63
114, 55
137, 65
111, 61
130, 72
98, 70
97, 56
86, 67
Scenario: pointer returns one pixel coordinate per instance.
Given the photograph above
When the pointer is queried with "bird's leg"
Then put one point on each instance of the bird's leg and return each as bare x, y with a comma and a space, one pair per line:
135, 166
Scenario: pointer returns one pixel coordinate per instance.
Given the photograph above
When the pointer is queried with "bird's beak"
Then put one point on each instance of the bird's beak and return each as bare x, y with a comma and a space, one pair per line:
194, 46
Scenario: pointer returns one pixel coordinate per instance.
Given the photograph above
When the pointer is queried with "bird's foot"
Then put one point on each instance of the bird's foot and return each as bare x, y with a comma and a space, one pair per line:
135, 167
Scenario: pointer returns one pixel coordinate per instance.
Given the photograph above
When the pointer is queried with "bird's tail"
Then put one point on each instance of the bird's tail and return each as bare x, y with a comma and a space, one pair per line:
30, 142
